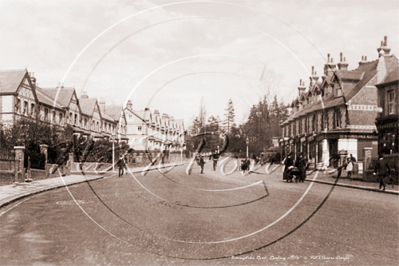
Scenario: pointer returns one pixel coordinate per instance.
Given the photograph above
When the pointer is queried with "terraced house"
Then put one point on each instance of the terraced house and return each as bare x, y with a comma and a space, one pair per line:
337, 111
20, 96
148, 130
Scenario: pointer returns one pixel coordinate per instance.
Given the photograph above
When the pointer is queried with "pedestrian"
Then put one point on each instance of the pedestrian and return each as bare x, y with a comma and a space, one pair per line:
245, 165
201, 163
215, 157
380, 169
262, 159
255, 158
349, 168
301, 165
121, 166
288, 165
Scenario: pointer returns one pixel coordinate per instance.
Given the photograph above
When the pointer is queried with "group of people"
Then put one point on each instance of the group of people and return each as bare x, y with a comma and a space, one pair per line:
295, 169
201, 161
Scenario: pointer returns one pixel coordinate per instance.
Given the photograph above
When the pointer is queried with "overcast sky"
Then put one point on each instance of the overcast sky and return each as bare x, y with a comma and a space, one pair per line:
167, 55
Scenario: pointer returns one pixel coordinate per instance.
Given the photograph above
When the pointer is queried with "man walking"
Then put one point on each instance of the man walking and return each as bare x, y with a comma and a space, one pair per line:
381, 170
215, 157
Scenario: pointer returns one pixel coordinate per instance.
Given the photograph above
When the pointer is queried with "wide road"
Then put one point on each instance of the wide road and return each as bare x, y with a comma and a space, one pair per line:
201, 219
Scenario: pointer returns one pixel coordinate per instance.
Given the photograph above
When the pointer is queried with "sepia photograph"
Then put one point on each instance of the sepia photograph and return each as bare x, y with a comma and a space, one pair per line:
199, 132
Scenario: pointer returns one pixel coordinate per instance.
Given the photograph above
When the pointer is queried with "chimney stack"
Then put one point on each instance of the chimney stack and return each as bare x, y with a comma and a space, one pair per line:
329, 67
342, 65
129, 105
84, 95
102, 106
314, 77
32, 79
364, 60
301, 88
383, 49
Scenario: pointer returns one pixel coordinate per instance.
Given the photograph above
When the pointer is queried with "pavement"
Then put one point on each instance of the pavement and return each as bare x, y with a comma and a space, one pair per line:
327, 178
16, 191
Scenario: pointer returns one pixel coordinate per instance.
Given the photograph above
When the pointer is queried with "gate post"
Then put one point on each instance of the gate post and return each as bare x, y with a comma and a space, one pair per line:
43, 150
19, 174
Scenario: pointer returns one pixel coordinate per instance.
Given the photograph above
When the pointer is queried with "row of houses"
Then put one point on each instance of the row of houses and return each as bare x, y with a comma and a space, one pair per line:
352, 110
21, 97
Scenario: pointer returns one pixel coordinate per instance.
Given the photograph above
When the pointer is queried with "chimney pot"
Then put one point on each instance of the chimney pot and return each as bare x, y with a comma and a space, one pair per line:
385, 40
365, 58
344, 59
340, 57
328, 58
312, 70
382, 43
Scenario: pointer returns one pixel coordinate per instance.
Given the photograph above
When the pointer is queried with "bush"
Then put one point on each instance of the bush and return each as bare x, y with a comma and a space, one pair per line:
37, 159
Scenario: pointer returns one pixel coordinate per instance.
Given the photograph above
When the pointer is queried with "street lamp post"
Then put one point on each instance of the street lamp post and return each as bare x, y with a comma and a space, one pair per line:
247, 147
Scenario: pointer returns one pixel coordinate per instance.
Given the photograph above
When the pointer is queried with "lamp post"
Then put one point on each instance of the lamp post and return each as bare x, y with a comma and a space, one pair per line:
247, 146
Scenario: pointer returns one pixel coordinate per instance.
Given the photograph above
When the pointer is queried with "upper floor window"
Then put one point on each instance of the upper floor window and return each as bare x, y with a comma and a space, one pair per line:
70, 118
61, 119
391, 102
25, 108
76, 119
53, 117
45, 114
139, 128
18, 106
32, 109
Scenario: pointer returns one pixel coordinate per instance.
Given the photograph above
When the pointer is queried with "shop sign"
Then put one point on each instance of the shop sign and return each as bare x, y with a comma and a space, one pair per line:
388, 125
310, 138
363, 136
303, 139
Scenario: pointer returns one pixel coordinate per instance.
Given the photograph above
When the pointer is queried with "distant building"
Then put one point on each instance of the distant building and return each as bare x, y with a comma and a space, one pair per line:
337, 111
153, 131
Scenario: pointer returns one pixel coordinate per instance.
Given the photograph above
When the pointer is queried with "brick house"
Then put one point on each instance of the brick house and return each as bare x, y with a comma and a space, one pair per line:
20, 96
338, 111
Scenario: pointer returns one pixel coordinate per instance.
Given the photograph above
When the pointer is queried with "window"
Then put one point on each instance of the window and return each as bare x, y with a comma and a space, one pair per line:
61, 119
139, 128
18, 106
45, 114
70, 118
53, 117
76, 119
25, 108
32, 110
391, 102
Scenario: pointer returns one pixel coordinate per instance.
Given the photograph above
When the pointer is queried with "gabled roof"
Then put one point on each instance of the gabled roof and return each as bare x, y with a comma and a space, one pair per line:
353, 75
87, 105
64, 95
113, 111
43, 98
10, 80
393, 71
370, 70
